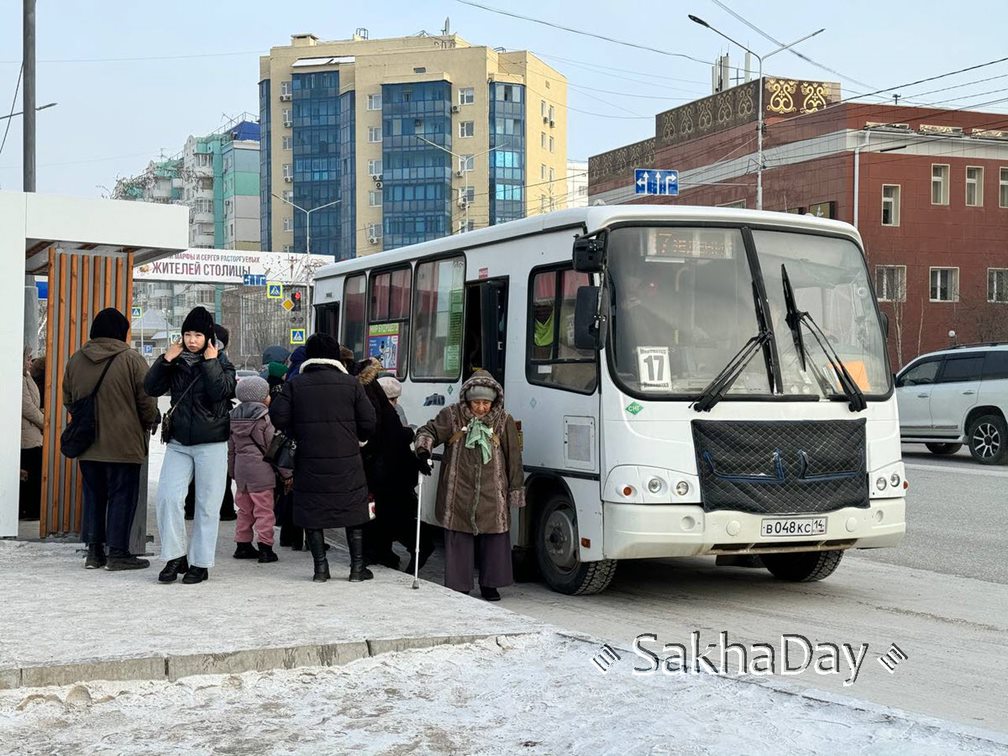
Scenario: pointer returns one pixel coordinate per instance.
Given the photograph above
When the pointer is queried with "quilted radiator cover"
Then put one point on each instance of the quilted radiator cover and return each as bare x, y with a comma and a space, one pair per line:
781, 467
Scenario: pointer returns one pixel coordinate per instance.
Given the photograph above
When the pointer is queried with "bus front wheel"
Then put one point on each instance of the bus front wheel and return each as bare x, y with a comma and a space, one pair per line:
804, 566
557, 552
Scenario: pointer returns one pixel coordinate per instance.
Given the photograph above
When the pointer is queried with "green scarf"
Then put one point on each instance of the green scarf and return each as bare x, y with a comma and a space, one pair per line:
479, 435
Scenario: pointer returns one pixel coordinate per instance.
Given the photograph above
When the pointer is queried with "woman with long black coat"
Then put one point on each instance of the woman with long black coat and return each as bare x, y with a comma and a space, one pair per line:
329, 416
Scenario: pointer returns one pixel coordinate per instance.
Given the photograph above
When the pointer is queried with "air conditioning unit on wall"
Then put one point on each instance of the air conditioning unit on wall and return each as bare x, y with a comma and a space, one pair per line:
373, 239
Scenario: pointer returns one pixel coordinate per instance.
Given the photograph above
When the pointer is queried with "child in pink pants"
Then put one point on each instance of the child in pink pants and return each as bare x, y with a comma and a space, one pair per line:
251, 433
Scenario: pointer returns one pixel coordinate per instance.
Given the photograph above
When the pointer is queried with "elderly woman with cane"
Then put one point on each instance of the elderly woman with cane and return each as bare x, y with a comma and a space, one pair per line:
481, 479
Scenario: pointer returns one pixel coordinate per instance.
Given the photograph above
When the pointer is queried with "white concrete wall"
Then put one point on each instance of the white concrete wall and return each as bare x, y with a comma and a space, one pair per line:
12, 259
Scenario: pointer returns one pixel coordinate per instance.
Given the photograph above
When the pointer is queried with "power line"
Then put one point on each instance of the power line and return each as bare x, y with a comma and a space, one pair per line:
148, 57
589, 64
13, 105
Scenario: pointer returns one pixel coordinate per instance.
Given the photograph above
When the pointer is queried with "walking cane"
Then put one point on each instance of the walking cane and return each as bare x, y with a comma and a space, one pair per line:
416, 548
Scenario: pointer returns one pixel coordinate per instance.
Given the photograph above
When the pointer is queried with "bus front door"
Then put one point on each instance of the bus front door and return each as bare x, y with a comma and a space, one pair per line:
485, 342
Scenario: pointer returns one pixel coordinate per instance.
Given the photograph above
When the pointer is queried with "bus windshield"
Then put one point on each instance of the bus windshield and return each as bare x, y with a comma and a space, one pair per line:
683, 304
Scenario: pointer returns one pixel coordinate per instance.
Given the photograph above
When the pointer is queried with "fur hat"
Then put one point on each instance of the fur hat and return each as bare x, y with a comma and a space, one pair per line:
391, 386
322, 346
199, 320
480, 392
252, 389
110, 324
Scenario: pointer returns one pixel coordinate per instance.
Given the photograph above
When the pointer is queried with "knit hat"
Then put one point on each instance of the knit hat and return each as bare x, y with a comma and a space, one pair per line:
322, 346
276, 370
481, 392
223, 335
199, 320
391, 386
252, 389
275, 354
110, 324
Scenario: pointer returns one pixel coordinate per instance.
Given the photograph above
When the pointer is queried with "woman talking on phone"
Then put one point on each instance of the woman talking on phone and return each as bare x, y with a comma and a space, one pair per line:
201, 381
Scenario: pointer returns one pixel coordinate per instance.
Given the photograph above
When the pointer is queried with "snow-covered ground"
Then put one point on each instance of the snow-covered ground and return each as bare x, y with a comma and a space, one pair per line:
529, 694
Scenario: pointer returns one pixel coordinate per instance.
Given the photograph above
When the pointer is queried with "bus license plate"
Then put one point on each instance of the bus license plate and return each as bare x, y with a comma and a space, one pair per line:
786, 527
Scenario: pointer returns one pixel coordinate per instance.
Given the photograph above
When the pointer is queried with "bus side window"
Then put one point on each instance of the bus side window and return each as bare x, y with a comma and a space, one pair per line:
388, 331
354, 314
551, 357
437, 320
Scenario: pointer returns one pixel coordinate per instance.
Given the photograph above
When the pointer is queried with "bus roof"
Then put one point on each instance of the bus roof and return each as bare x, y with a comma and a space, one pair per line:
590, 218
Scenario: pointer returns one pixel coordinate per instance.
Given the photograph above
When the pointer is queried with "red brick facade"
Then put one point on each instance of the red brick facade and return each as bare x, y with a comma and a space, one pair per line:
817, 173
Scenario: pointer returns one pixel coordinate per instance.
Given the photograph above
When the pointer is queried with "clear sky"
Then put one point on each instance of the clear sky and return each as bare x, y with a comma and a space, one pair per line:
115, 115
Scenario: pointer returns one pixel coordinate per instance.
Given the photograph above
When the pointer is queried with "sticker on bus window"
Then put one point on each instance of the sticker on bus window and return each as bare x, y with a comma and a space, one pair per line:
653, 368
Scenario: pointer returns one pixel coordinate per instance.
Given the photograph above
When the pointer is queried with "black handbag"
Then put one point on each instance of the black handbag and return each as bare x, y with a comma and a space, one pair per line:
281, 451
82, 430
166, 421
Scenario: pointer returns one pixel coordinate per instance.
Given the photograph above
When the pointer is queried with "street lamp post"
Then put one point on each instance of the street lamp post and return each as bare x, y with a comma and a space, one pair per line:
759, 118
21, 112
459, 157
307, 275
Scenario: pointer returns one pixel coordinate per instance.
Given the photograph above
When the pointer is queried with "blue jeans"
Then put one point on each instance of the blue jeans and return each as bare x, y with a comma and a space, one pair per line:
209, 464
110, 503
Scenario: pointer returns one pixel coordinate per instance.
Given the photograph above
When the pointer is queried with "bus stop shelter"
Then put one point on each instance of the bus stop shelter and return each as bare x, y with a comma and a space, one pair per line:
87, 248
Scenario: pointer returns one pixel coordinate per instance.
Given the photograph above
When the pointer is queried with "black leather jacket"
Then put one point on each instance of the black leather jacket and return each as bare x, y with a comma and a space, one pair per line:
202, 416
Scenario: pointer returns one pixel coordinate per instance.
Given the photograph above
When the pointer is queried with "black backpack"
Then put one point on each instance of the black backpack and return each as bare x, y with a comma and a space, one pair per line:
82, 429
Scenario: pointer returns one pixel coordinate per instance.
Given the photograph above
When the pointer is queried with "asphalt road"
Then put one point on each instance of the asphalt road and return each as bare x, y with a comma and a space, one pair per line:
942, 597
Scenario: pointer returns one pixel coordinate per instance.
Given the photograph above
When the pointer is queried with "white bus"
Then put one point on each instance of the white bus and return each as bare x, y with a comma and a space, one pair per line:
689, 381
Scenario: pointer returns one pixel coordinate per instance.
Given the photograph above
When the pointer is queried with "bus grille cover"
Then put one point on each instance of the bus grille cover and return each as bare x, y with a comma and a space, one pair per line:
781, 467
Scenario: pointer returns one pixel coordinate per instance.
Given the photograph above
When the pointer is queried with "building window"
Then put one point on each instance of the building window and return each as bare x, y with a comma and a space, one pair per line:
374, 167
551, 144
467, 128
997, 285
552, 175
467, 96
288, 249
286, 113
1003, 198
944, 284
374, 199
467, 163
552, 113
890, 204
890, 283
974, 186
374, 134
288, 224
551, 357
288, 194
286, 142
467, 195
466, 225
285, 89
374, 102
542, 109
288, 170
374, 231
437, 319
542, 140
939, 184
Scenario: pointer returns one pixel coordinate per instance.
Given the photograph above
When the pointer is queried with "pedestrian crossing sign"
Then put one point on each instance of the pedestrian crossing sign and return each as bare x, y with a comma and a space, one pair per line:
136, 313
274, 290
297, 336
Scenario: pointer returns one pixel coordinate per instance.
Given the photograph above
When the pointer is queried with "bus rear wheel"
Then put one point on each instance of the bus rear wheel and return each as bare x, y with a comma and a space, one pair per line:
802, 567
557, 548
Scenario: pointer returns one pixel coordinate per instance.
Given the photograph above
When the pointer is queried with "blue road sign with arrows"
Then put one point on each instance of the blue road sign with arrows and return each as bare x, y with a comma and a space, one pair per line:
660, 183
254, 279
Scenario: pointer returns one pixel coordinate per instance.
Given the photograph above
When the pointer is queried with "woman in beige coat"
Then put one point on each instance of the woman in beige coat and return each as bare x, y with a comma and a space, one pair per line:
32, 423
481, 479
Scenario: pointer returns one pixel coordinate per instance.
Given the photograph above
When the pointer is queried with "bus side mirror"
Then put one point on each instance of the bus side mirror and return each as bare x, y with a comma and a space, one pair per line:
885, 325
589, 318
589, 253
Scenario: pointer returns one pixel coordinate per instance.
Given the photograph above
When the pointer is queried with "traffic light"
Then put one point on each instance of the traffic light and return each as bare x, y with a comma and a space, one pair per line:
296, 299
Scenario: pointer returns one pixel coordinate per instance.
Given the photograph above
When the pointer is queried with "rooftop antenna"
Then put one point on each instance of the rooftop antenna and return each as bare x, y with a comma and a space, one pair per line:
447, 27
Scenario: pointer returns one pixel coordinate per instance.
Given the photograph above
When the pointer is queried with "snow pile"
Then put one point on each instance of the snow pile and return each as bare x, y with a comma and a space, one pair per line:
531, 694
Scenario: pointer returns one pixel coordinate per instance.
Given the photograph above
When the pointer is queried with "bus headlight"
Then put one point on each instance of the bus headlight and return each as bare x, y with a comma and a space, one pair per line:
894, 480
682, 488
880, 484
654, 485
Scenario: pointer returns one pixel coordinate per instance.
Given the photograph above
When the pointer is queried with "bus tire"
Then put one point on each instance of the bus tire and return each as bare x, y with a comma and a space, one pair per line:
943, 450
557, 545
804, 566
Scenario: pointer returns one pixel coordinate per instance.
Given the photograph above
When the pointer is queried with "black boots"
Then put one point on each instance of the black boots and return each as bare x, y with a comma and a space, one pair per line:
266, 554
316, 543
173, 569
245, 551
355, 541
96, 558
126, 562
490, 594
196, 575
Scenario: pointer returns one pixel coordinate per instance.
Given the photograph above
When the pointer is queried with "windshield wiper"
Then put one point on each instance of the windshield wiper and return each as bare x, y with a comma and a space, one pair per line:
723, 381
795, 319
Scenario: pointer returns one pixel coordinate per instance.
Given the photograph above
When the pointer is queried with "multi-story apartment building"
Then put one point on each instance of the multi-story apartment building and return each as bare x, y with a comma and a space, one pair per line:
926, 187
390, 142
217, 177
577, 183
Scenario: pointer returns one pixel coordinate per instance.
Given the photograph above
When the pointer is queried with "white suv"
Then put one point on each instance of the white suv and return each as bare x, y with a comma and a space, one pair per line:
954, 397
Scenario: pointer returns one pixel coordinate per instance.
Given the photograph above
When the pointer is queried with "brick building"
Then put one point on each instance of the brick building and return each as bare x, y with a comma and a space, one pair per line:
926, 187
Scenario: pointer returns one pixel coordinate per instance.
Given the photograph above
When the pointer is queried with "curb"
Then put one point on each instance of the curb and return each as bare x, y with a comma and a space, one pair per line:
172, 668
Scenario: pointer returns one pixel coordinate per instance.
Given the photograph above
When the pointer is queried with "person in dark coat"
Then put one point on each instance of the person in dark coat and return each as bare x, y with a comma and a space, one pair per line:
290, 534
201, 380
327, 413
298, 356
111, 466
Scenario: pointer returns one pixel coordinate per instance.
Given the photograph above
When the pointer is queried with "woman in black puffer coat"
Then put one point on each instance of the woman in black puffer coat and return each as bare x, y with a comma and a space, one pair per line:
201, 381
328, 415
